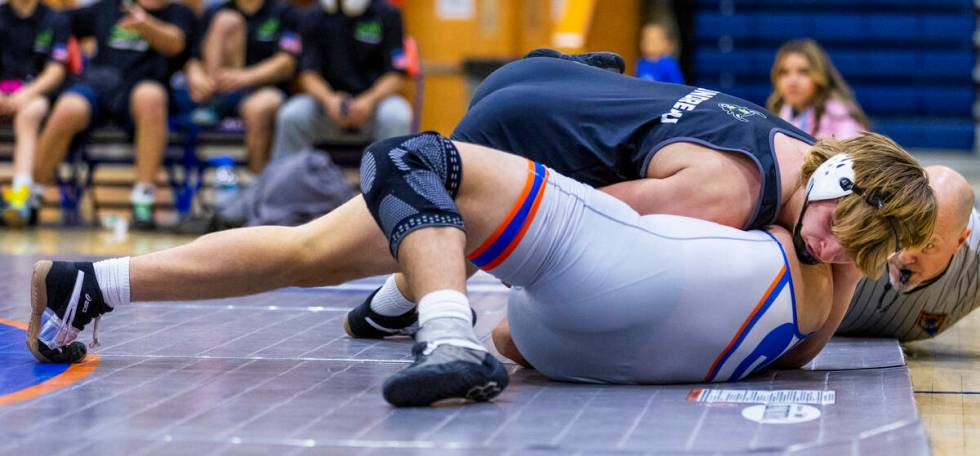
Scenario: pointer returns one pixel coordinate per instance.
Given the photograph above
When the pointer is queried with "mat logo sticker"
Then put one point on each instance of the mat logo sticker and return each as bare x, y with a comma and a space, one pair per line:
930, 322
740, 113
781, 414
771, 397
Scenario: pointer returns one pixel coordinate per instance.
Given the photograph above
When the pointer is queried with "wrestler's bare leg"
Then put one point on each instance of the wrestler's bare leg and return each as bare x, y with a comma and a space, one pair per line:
342, 245
505, 345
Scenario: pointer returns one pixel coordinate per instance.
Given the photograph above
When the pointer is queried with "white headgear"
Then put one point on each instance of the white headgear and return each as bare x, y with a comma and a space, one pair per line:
350, 8
833, 179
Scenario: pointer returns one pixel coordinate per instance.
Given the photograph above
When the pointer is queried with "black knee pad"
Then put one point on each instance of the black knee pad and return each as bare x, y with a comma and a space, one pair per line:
410, 182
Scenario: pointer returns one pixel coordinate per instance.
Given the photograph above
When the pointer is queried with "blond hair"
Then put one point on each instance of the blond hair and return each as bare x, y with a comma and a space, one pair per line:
827, 80
885, 171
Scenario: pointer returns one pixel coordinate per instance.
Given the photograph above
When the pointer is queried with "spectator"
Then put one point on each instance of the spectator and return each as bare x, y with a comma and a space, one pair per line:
352, 69
242, 66
657, 62
33, 61
125, 81
810, 93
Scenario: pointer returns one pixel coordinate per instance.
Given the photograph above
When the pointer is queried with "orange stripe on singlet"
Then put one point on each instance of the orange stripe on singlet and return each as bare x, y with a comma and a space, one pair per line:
520, 234
745, 324
510, 216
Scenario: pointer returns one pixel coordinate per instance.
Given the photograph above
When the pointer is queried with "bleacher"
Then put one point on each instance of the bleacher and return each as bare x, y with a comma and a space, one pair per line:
909, 62
185, 158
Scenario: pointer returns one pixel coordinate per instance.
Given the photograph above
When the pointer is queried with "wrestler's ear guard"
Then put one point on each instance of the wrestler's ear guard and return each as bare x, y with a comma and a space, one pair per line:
833, 179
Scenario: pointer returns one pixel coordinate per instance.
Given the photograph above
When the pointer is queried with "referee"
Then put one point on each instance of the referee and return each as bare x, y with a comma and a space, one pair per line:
925, 291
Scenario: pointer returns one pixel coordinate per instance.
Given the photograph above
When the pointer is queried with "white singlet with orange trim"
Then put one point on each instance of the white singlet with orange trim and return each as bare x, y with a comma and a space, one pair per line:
602, 294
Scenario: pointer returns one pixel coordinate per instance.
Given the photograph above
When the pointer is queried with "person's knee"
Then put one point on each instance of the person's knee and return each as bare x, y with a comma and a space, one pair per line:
226, 22
149, 102
505, 345
71, 114
410, 183
33, 113
394, 114
260, 110
293, 113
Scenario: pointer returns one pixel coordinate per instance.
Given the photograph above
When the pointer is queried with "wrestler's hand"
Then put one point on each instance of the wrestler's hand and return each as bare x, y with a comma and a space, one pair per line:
359, 112
230, 80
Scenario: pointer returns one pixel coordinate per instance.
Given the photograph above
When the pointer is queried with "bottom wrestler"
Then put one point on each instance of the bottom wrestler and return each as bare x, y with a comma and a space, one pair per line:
691, 300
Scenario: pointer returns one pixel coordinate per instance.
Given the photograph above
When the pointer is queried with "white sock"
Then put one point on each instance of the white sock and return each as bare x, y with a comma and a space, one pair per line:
389, 300
445, 318
143, 193
22, 180
113, 278
38, 190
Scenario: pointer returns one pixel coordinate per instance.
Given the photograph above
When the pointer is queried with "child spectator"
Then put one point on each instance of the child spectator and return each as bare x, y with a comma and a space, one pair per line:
33, 60
657, 62
126, 81
810, 93
243, 66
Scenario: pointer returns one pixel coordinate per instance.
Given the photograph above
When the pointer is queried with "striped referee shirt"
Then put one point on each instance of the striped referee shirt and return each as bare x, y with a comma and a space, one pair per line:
877, 310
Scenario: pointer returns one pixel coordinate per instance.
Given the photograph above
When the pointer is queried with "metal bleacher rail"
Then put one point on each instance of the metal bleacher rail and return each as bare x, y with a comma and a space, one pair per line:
910, 62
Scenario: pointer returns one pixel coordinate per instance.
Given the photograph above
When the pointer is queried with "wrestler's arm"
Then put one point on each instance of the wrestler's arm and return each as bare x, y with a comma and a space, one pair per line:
845, 281
691, 180
684, 193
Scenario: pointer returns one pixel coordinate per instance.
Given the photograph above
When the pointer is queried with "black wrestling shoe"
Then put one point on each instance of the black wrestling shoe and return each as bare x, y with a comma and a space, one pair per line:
64, 299
362, 322
446, 375
609, 61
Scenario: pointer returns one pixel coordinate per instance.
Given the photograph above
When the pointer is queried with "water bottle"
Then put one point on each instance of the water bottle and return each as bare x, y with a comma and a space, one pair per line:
225, 181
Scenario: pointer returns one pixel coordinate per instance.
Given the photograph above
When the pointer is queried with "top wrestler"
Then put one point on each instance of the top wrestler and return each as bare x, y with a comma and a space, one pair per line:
664, 148
588, 270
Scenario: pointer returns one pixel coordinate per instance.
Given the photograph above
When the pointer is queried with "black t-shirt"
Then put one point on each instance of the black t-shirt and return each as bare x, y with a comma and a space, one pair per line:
30, 43
352, 53
122, 56
271, 29
602, 128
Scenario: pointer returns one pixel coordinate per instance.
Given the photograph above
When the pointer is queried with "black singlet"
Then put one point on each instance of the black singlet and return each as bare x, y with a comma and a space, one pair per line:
602, 128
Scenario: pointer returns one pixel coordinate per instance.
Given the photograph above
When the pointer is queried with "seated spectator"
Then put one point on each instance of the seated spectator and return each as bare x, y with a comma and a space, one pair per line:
33, 60
657, 62
243, 66
810, 93
126, 82
352, 69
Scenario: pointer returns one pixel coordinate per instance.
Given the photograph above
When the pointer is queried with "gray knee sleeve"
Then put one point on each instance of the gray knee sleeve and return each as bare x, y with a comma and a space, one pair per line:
410, 182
